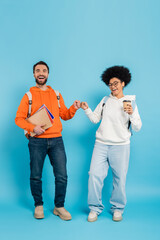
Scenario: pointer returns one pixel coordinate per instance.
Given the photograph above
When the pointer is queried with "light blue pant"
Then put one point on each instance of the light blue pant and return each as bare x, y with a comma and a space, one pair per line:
117, 157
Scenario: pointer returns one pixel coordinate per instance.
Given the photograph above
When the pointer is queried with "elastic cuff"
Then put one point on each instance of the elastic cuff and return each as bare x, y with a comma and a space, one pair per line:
88, 110
59, 205
38, 204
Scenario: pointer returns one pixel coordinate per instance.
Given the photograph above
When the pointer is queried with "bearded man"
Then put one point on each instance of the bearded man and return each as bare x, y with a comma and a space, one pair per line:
46, 142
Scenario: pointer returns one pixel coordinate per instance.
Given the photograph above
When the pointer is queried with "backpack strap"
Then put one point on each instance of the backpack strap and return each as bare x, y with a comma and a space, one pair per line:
103, 104
58, 97
129, 123
133, 104
29, 94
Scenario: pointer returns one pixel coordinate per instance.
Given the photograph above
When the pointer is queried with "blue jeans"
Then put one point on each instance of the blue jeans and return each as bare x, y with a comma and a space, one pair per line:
117, 157
38, 149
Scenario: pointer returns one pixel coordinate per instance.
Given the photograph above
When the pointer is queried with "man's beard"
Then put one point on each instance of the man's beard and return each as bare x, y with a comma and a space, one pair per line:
41, 83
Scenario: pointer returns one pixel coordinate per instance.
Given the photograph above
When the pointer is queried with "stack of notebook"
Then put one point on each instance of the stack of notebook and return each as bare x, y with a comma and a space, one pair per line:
42, 117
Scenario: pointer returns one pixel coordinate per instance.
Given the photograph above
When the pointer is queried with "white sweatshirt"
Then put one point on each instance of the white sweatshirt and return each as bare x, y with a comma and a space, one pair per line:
113, 129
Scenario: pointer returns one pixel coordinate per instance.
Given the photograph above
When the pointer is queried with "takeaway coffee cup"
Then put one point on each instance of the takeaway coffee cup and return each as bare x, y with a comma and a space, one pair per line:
126, 103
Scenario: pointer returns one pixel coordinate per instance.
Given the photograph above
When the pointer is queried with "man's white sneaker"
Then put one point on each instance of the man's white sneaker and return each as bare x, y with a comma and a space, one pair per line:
117, 216
92, 217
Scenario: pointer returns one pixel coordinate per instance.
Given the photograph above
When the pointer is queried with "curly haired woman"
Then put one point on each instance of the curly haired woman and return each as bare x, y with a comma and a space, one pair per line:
112, 145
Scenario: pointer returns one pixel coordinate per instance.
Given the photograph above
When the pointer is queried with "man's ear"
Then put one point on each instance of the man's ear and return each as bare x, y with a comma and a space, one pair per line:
123, 84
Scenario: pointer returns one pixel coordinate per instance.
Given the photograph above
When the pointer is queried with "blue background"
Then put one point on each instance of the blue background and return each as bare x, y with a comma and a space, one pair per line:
79, 39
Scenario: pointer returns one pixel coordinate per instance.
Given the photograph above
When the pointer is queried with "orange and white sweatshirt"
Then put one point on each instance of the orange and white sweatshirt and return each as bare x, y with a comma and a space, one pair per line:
49, 98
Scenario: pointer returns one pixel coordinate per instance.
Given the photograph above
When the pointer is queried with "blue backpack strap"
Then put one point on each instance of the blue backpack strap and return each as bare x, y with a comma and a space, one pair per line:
133, 104
103, 104
105, 100
130, 127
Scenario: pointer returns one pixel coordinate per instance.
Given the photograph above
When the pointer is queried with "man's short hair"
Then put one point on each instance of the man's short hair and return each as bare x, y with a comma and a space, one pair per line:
119, 72
40, 63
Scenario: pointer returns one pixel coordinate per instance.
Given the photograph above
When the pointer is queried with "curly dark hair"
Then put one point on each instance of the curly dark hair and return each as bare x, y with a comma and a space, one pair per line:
120, 72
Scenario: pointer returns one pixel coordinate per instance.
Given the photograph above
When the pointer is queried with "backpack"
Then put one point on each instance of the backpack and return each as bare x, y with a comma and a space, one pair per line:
129, 123
29, 94
104, 102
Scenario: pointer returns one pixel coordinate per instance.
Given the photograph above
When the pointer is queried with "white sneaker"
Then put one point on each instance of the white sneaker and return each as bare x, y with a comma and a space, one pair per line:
92, 217
117, 216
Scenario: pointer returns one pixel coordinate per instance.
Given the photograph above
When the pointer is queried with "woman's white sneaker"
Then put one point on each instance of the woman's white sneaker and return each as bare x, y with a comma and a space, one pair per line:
92, 217
117, 216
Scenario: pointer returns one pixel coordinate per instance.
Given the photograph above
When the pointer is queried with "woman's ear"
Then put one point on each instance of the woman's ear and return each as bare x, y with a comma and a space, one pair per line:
123, 84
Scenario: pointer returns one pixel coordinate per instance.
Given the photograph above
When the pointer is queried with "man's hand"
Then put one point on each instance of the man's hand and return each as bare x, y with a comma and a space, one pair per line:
38, 130
128, 109
77, 104
84, 105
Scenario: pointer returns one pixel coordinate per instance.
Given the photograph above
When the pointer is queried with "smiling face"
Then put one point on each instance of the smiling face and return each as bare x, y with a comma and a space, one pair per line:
116, 87
41, 74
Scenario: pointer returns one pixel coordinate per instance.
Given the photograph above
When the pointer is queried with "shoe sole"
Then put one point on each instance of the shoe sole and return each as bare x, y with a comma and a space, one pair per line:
55, 212
92, 220
38, 217
117, 219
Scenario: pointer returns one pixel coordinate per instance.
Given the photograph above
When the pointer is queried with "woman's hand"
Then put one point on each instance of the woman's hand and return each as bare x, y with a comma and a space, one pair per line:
128, 109
84, 105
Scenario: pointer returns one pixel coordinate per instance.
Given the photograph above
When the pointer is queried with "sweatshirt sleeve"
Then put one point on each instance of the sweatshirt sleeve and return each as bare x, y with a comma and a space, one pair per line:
64, 112
135, 119
21, 115
95, 116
